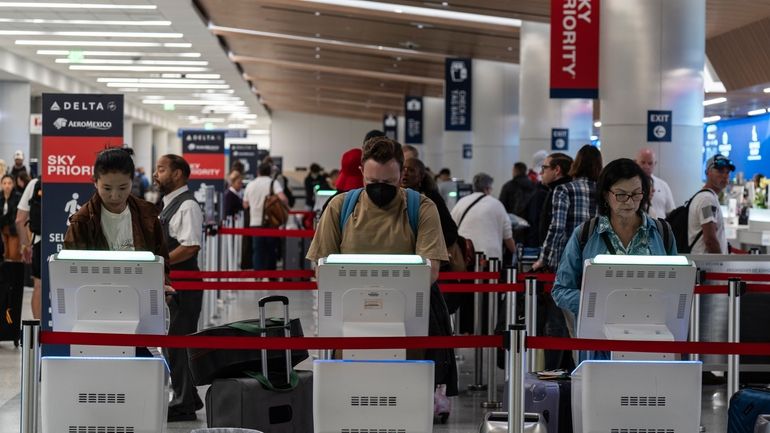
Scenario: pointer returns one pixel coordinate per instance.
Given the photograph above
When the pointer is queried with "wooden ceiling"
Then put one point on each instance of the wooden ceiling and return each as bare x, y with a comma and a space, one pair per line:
329, 59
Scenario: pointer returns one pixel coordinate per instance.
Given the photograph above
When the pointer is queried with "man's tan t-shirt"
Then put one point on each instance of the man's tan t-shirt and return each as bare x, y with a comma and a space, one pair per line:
374, 230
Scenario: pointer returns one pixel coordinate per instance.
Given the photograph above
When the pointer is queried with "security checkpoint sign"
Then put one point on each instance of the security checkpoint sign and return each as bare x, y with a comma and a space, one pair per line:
559, 139
659, 125
467, 151
390, 126
413, 118
76, 127
574, 71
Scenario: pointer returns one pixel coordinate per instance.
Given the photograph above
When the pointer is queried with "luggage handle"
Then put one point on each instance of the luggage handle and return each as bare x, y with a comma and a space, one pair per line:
286, 332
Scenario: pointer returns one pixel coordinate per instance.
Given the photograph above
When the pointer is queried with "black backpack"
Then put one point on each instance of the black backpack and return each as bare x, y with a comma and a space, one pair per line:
286, 190
588, 227
679, 221
35, 208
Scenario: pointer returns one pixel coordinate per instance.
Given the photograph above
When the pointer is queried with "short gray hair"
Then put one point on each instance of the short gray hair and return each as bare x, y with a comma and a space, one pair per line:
481, 182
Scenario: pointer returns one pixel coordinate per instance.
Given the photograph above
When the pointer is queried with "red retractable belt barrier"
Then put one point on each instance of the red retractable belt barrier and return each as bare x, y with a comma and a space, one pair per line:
244, 285
545, 278
648, 346
481, 288
442, 276
197, 275
270, 343
724, 276
268, 233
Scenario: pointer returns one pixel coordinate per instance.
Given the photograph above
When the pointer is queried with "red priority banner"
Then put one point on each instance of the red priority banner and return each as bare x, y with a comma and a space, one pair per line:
575, 49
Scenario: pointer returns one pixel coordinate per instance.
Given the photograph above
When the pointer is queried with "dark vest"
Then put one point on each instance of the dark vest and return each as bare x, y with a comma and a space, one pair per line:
165, 216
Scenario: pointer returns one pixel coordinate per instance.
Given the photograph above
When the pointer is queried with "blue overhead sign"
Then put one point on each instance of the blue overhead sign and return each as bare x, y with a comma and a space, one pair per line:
659, 125
467, 151
390, 126
413, 118
457, 95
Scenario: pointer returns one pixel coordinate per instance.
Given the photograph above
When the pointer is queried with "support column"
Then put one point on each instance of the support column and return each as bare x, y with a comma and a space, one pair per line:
652, 57
452, 153
15, 104
538, 113
495, 120
174, 143
35, 141
160, 145
128, 131
433, 132
142, 144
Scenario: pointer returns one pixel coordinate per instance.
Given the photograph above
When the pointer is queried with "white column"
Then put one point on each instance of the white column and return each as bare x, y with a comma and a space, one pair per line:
142, 144
174, 143
401, 130
160, 144
538, 113
495, 110
652, 56
15, 105
128, 131
433, 132
452, 152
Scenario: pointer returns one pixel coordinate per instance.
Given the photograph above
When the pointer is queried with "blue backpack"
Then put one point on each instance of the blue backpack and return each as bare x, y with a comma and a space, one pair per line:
412, 207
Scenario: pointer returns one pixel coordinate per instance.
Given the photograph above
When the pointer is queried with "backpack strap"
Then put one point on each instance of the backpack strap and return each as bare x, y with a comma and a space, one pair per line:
587, 229
664, 228
412, 207
469, 208
700, 232
351, 198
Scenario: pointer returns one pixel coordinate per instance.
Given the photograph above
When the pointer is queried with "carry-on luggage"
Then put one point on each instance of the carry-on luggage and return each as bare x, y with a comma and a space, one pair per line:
746, 406
267, 402
497, 422
763, 424
11, 296
551, 398
209, 364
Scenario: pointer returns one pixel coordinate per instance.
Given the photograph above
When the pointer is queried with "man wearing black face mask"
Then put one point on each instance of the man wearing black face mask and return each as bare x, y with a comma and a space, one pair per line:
379, 224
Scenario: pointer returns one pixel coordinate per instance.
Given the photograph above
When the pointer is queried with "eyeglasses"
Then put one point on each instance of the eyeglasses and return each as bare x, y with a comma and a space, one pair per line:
623, 197
543, 167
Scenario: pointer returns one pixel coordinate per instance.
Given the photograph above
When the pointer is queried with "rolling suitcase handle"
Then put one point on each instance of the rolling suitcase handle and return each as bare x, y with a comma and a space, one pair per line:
286, 332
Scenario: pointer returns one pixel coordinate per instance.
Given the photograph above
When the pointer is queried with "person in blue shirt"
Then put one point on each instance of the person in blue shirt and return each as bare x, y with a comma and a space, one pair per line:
622, 227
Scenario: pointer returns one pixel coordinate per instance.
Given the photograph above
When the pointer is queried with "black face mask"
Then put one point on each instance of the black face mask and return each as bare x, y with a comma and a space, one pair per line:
381, 193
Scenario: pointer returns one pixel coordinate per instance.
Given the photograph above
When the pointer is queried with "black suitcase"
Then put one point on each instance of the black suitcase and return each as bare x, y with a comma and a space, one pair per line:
269, 403
11, 296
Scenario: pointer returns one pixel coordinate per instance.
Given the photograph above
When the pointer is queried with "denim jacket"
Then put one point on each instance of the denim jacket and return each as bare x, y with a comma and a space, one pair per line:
569, 276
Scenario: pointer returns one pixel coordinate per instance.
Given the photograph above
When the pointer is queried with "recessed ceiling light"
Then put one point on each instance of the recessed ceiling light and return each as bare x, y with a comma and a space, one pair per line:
86, 22
420, 11
445, 4
317, 56
711, 119
134, 62
117, 53
757, 112
318, 14
202, 76
190, 102
154, 35
168, 86
598, 124
714, 101
51, 5
158, 80
100, 43
136, 68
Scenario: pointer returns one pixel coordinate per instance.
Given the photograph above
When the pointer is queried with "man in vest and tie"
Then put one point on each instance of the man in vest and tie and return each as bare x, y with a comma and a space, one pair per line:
182, 220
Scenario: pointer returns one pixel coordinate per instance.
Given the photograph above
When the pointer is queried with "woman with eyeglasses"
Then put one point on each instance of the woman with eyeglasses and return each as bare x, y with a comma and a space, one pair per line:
622, 227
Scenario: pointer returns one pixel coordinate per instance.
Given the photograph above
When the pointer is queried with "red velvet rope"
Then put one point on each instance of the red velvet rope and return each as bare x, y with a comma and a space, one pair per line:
270, 233
555, 343
270, 343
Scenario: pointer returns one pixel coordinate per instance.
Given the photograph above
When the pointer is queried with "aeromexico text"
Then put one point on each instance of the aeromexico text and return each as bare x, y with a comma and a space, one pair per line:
573, 11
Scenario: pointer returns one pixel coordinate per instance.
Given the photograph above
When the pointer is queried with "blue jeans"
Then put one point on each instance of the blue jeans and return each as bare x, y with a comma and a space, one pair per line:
264, 253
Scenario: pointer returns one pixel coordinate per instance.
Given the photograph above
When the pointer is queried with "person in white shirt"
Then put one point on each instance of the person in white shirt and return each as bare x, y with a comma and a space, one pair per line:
264, 249
182, 222
705, 224
482, 218
662, 200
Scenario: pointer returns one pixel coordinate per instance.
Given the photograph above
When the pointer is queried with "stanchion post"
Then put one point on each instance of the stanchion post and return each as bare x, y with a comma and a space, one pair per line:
516, 348
694, 330
30, 365
530, 310
492, 403
510, 312
478, 358
733, 334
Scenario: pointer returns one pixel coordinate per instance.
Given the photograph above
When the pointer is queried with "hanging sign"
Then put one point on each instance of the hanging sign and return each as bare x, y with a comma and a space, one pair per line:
413, 115
457, 95
205, 152
390, 126
575, 49
559, 139
659, 125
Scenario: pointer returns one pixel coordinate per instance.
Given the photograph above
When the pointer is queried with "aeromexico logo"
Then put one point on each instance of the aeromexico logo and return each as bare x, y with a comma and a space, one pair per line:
101, 125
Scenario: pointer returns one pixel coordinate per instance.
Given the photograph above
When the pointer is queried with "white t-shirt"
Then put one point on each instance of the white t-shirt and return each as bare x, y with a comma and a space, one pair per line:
486, 224
24, 201
118, 230
662, 200
255, 194
705, 209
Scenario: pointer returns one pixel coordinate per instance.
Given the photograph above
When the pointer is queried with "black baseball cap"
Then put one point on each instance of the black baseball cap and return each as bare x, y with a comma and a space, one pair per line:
720, 161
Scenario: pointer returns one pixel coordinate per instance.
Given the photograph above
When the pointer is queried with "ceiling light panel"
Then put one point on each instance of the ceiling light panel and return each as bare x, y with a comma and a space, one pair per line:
36, 42
50, 5
134, 62
157, 80
168, 86
116, 53
136, 68
192, 102
154, 35
85, 22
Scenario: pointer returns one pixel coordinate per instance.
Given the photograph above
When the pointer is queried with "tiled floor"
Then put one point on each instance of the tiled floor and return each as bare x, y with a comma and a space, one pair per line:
466, 414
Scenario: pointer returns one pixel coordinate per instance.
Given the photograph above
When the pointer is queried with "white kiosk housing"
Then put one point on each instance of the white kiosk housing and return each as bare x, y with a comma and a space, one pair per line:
373, 396
373, 295
119, 292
